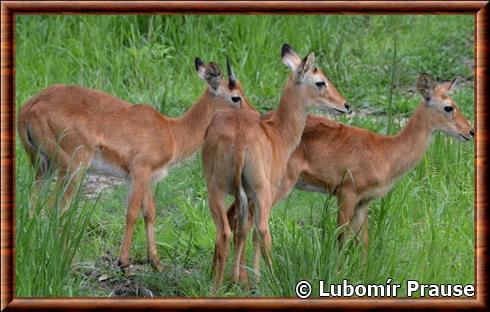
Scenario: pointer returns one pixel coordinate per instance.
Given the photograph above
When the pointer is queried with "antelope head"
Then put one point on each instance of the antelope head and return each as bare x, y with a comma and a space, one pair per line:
315, 87
226, 92
442, 111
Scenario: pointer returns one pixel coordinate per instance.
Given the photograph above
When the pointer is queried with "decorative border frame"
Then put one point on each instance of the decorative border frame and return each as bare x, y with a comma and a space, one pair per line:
9, 9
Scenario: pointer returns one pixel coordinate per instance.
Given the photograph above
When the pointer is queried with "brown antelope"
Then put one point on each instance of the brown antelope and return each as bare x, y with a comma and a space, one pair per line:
246, 157
357, 165
72, 128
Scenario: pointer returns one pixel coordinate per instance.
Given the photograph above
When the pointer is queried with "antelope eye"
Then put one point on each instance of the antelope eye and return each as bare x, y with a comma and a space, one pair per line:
321, 84
236, 99
448, 109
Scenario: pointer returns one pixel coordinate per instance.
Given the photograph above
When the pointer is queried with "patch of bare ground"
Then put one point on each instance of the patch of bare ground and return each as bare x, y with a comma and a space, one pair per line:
107, 277
94, 184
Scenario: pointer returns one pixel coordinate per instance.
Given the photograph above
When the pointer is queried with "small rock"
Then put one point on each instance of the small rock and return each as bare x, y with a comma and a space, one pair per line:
103, 277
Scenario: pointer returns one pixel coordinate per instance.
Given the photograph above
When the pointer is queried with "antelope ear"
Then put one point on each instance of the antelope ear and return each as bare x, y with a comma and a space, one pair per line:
289, 57
212, 75
425, 86
200, 67
308, 63
448, 86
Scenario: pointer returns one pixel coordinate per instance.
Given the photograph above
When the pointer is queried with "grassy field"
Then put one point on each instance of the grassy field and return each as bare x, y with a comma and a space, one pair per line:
423, 229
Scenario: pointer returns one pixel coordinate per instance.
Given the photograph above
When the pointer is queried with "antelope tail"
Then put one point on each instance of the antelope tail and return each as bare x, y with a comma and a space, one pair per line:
240, 196
34, 152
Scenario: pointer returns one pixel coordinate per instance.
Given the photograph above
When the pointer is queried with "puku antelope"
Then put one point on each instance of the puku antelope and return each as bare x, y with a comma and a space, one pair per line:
357, 165
246, 157
72, 128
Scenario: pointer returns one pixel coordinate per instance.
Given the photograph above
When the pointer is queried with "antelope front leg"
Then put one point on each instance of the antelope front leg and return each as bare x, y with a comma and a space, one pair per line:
149, 213
138, 188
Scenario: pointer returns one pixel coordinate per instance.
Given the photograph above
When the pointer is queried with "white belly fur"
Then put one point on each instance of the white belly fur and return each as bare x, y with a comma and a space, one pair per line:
103, 167
159, 174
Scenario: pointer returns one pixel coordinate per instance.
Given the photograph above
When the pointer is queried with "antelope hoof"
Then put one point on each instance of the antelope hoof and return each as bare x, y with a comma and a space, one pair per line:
126, 268
157, 266
245, 281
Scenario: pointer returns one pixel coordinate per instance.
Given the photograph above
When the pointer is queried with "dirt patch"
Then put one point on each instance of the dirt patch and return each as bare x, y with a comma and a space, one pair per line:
94, 184
129, 289
106, 276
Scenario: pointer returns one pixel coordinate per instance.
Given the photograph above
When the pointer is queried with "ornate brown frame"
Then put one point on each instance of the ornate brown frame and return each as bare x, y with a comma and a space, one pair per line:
11, 8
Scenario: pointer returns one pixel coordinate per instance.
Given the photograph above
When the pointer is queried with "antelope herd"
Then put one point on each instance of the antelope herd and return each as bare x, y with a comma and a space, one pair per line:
256, 159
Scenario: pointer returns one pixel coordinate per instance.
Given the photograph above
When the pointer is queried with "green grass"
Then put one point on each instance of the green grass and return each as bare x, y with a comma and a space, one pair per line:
47, 240
423, 229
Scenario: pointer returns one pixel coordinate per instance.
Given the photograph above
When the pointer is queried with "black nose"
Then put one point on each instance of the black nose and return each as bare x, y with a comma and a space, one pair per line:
472, 133
347, 106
